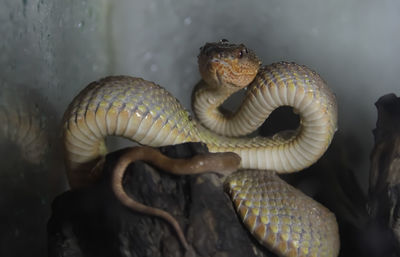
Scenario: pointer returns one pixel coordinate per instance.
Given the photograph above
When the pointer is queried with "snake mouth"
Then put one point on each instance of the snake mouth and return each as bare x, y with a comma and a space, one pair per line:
219, 78
220, 68
231, 73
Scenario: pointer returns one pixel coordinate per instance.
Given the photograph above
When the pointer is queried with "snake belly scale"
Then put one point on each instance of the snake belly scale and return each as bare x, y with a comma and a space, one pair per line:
279, 216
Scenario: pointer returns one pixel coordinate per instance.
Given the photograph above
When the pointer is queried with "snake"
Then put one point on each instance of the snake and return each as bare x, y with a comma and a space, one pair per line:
280, 217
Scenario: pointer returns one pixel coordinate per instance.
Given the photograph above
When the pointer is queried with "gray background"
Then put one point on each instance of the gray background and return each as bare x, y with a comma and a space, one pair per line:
52, 49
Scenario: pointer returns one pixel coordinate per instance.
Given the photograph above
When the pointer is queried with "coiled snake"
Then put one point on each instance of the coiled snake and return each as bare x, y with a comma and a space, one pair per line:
279, 216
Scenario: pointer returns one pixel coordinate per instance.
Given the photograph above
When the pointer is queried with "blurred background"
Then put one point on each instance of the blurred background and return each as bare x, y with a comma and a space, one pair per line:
50, 50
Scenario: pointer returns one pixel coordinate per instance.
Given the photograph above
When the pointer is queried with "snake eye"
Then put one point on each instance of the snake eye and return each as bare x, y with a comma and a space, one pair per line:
243, 52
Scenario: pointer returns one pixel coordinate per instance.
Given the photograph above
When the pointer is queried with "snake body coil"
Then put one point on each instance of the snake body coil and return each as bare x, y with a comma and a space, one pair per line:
281, 217
146, 113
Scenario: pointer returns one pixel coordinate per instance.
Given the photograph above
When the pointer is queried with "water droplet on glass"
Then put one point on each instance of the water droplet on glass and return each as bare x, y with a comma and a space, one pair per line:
187, 21
154, 67
147, 56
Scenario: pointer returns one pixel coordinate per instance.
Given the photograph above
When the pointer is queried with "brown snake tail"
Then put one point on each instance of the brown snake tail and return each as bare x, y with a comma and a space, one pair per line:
223, 163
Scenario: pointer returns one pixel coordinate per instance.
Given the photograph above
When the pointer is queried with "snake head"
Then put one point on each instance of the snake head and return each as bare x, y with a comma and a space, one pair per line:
223, 63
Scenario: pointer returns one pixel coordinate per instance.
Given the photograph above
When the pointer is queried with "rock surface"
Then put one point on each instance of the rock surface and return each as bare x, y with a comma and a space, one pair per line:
92, 222
384, 186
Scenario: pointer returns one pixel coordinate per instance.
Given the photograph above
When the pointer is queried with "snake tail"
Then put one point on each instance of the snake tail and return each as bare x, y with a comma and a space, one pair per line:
223, 163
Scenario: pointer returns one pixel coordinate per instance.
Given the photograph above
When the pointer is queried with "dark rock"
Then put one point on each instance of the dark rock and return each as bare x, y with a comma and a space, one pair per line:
92, 222
384, 186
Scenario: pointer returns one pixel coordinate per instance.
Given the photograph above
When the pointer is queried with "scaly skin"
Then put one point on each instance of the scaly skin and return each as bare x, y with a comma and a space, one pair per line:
281, 217
146, 113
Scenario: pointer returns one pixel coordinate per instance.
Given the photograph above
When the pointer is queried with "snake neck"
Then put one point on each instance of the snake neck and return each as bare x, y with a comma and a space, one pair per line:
206, 105
280, 84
